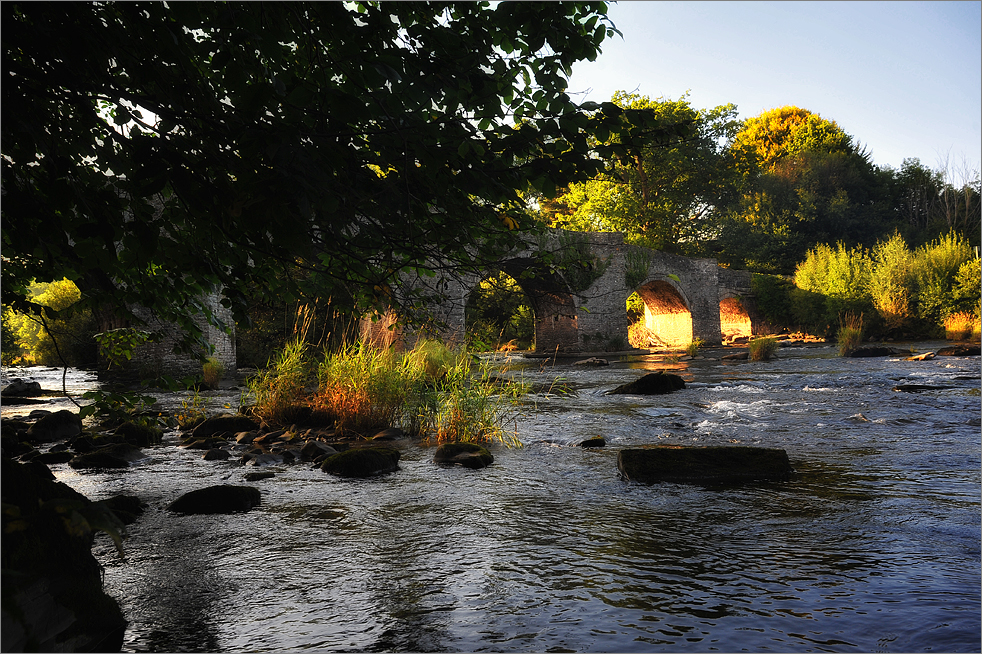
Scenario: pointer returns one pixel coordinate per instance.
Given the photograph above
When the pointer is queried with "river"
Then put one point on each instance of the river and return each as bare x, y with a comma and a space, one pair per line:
874, 545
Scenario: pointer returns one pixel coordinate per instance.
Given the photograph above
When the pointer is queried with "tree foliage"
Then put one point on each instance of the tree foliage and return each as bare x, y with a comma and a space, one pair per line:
662, 192
810, 183
152, 152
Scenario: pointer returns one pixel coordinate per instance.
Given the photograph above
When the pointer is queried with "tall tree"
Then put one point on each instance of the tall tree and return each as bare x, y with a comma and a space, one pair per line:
661, 191
153, 151
810, 183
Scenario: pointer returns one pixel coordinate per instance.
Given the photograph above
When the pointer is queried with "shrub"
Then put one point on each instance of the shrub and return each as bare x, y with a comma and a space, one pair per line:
692, 349
967, 290
936, 266
9, 345
213, 372
773, 297
850, 333
890, 285
762, 348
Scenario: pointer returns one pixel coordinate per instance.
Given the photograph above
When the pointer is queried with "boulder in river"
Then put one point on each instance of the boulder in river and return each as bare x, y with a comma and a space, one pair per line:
125, 507
117, 455
468, 455
362, 462
712, 464
56, 426
138, 434
217, 499
226, 423
312, 450
596, 441
655, 383
216, 454
21, 388
592, 361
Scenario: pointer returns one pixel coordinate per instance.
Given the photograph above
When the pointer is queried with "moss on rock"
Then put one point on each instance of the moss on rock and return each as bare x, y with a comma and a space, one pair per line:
362, 462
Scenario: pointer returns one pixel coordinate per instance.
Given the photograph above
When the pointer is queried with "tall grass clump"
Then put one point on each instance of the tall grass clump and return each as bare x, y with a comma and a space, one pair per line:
762, 348
278, 388
431, 391
692, 349
473, 406
850, 333
364, 387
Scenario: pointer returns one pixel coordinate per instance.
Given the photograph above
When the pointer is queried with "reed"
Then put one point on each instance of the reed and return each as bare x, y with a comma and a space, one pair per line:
850, 333
278, 388
762, 348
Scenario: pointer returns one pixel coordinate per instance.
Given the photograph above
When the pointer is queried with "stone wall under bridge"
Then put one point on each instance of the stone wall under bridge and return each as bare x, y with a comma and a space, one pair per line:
685, 298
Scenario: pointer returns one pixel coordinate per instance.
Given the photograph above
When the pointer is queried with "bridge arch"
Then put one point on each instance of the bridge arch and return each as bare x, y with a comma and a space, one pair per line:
667, 317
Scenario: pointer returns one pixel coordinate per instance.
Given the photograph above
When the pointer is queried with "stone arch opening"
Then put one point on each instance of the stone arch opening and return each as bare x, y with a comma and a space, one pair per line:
734, 320
499, 314
667, 321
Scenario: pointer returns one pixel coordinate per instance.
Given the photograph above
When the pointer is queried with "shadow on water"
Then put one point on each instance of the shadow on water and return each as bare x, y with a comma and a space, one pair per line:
176, 603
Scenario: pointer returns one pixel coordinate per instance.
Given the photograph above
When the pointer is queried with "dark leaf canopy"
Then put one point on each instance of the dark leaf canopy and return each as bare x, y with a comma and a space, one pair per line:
154, 151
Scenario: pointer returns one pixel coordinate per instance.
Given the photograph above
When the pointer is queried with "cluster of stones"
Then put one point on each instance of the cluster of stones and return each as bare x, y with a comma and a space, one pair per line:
255, 444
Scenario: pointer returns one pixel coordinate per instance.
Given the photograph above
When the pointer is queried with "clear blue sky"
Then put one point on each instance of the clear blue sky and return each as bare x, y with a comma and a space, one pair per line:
904, 78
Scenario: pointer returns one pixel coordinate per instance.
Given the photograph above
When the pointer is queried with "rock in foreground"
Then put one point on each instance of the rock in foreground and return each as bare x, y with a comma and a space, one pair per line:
56, 426
217, 499
226, 423
714, 464
362, 462
655, 383
468, 455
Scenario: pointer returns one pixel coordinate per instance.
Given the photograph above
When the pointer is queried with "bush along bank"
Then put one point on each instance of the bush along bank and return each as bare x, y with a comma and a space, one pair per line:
930, 292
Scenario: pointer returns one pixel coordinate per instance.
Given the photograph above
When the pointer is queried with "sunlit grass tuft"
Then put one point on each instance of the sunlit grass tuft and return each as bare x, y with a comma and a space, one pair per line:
850, 333
762, 348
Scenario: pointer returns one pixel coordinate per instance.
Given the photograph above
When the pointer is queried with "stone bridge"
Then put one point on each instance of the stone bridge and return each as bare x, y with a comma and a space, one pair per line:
580, 299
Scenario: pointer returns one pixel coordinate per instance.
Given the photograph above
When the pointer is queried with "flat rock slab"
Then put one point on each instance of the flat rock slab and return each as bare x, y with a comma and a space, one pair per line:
701, 465
655, 383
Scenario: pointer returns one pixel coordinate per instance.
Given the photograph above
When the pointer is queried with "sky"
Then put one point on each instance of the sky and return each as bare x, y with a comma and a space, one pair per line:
903, 78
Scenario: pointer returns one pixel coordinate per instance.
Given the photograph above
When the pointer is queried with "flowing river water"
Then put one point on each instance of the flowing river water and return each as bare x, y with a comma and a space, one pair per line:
874, 545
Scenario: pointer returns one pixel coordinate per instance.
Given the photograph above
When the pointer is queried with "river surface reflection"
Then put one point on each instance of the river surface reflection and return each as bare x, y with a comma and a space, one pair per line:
873, 546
